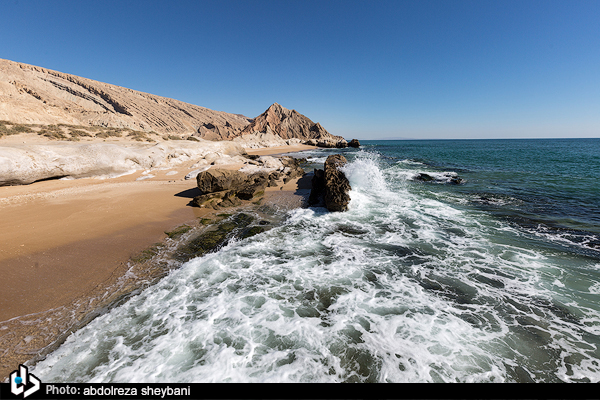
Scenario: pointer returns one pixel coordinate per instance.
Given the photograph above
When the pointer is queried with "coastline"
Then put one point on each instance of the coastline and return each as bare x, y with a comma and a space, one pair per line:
68, 246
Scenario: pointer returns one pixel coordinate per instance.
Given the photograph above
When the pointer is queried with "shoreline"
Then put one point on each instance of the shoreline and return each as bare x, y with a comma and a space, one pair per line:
68, 247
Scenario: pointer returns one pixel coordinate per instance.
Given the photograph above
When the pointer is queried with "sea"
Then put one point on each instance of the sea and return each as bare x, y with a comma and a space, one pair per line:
457, 261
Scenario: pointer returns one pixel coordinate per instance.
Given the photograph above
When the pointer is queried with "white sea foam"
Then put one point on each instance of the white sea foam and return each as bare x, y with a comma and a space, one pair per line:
401, 288
410, 162
588, 242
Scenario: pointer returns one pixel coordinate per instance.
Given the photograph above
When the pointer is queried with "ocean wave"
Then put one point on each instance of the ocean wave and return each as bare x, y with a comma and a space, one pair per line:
410, 162
568, 237
403, 287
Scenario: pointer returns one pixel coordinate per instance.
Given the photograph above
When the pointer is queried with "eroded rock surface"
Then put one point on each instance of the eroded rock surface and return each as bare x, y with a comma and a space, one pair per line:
290, 124
354, 143
225, 188
21, 164
36, 95
331, 186
337, 186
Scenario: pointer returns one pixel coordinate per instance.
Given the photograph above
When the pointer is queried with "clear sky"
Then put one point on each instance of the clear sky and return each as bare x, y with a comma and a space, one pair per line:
363, 69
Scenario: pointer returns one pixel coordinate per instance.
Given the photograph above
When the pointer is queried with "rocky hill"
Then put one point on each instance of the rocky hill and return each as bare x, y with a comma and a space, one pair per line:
290, 124
34, 95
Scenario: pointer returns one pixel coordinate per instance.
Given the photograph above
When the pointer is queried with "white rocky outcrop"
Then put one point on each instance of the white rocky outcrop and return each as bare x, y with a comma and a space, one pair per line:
24, 164
257, 140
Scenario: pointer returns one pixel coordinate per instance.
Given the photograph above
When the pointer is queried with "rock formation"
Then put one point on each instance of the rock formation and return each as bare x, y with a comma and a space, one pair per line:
316, 197
35, 95
354, 143
446, 177
59, 106
26, 164
330, 185
290, 124
216, 180
225, 188
337, 186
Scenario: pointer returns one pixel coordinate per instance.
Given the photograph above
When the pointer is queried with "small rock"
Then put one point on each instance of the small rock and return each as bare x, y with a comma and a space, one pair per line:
354, 143
423, 177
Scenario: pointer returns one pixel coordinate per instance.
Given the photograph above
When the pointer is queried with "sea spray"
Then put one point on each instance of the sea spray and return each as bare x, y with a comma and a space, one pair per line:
409, 285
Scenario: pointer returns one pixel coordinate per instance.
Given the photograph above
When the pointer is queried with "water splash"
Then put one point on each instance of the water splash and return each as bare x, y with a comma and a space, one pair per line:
401, 288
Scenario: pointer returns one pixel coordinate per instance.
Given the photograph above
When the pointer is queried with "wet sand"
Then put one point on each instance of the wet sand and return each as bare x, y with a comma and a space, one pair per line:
65, 242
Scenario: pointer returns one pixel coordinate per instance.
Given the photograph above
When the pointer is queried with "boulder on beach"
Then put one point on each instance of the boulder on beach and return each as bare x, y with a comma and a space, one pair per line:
219, 187
227, 183
216, 180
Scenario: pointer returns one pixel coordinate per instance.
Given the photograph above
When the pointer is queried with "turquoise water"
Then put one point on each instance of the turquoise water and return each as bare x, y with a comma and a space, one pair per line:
548, 184
494, 279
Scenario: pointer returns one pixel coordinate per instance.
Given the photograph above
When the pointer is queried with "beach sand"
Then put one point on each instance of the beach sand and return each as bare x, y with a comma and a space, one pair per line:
67, 241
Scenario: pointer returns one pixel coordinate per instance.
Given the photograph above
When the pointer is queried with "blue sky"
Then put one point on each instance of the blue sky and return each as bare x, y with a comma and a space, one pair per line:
365, 69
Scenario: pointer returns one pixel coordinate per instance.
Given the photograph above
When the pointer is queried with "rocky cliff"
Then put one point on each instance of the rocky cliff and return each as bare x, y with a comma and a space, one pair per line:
35, 95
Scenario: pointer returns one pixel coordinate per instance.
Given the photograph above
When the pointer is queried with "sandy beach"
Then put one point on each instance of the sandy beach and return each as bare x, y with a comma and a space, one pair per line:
66, 241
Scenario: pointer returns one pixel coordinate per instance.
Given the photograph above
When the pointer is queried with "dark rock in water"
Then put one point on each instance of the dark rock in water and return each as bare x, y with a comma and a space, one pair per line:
214, 239
447, 178
255, 230
330, 187
423, 177
354, 143
337, 186
317, 192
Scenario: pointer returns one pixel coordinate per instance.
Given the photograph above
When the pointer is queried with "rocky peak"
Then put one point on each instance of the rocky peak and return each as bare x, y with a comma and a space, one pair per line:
289, 124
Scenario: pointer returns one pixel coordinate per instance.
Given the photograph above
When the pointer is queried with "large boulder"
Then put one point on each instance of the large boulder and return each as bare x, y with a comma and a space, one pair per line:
254, 186
354, 143
318, 189
223, 188
219, 186
330, 187
216, 180
447, 177
337, 186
